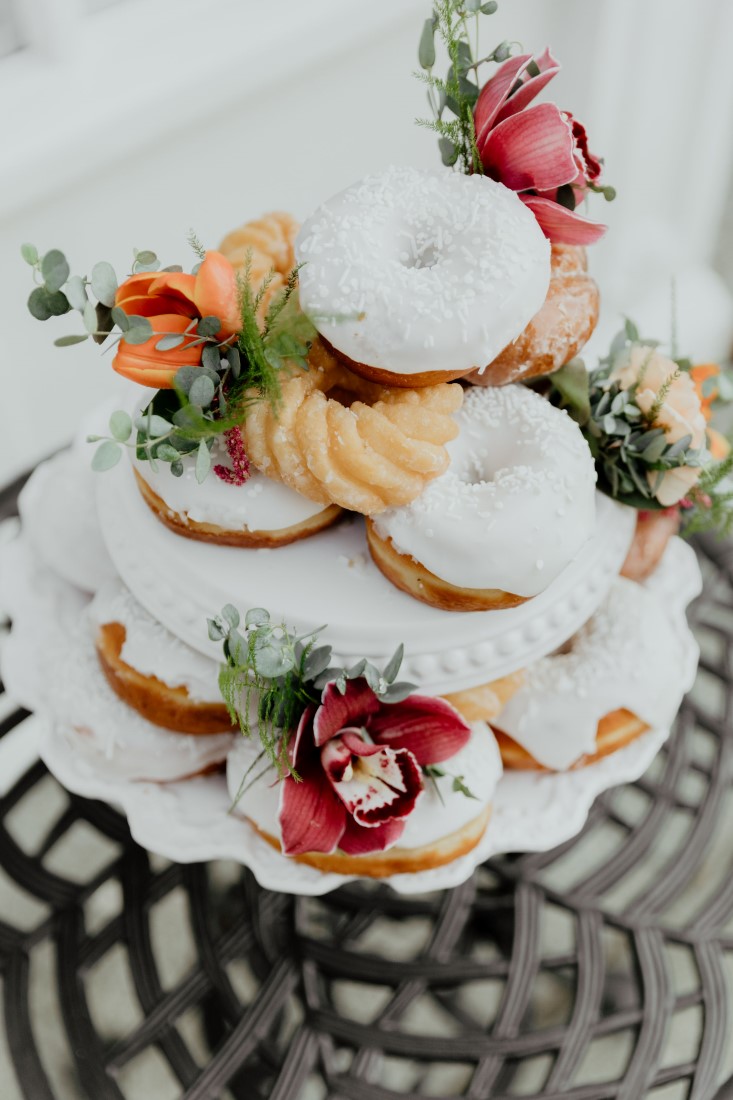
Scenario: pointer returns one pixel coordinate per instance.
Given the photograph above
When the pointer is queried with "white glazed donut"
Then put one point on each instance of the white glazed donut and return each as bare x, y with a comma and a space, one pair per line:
259, 513
152, 650
418, 277
513, 509
110, 737
633, 654
439, 812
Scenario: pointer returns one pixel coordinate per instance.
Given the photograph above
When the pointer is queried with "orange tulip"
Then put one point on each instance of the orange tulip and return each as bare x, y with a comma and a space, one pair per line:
699, 375
171, 300
143, 363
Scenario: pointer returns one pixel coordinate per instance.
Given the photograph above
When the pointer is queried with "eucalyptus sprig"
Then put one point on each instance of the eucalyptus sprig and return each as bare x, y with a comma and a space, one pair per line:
457, 24
631, 451
58, 292
271, 675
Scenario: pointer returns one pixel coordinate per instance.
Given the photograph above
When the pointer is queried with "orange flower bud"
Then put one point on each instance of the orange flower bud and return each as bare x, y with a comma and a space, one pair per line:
143, 363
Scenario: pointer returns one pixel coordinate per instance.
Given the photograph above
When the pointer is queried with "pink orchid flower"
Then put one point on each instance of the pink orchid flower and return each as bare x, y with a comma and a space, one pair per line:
537, 150
359, 761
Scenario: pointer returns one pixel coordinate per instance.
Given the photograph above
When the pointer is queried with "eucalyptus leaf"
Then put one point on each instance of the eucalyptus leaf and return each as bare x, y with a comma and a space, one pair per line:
166, 452
172, 267
145, 257
120, 318
398, 692
256, 616
105, 324
201, 392
55, 270
152, 426
139, 331
167, 343
230, 615
679, 447
208, 326
104, 283
58, 303
38, 304
394, 664
89, 316
490, 7
211, 358
317, 662
177, 469
185, 377
76, 292
426, 47
67, 341
571, 382
107, 455
120, 425
654, 450
235, 361
448, 151
203, 462
29, 252
216, 634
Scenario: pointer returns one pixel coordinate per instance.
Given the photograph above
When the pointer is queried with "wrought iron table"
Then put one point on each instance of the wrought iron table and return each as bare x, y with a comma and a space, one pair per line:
599, 970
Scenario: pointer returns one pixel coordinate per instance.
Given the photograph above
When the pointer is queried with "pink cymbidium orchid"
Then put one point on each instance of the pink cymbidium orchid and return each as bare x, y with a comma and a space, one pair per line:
359, 762
538, 151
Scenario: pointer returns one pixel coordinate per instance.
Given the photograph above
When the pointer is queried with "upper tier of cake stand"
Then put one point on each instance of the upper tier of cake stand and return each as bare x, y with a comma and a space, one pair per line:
330, 580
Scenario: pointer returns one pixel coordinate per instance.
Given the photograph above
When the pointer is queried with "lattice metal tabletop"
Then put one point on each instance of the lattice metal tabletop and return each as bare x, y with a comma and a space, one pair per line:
599, 970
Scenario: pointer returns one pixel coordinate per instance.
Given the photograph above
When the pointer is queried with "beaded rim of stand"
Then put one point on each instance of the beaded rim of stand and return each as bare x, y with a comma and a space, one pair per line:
594, 971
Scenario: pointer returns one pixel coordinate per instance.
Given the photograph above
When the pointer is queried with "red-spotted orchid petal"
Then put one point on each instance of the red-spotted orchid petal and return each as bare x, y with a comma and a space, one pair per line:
429, 727
374, 783
561, 225
312, 818
358, 841
531, 150
338, 711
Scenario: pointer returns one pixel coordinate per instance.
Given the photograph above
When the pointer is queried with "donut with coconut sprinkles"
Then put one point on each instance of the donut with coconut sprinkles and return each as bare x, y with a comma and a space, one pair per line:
420, 277
511, 512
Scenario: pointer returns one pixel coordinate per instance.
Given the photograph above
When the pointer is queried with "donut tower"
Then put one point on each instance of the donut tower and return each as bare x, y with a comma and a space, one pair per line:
356, 457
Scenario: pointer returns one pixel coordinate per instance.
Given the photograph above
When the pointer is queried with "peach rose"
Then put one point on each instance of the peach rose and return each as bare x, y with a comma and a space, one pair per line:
679, 412
171, 300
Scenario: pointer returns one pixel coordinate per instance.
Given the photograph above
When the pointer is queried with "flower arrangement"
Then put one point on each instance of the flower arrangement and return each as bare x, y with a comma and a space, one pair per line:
195, 336
535, 149
645, 416
351, 748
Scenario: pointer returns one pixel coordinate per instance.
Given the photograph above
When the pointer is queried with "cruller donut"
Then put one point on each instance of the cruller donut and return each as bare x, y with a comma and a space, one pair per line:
558, 331
420, 277
338, 439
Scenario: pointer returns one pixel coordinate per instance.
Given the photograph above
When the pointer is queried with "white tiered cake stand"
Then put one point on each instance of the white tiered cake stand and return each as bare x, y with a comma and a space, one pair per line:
326, 579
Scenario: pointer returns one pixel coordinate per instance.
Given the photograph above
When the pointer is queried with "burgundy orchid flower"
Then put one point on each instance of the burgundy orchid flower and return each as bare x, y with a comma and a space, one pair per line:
538, 151
359, 761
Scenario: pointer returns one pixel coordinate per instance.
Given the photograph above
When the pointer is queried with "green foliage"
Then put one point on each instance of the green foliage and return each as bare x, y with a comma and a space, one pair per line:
456, 22
271, 675
632, 454
435, 772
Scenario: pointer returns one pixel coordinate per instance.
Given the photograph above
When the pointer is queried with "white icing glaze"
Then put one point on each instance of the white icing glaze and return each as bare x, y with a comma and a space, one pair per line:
151, 649
629, 654
261, 504
516, 504
58, 508
446, 270
113, 738
478, 762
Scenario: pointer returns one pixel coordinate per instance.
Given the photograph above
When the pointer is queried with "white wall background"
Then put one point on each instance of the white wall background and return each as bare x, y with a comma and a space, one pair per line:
132, 125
